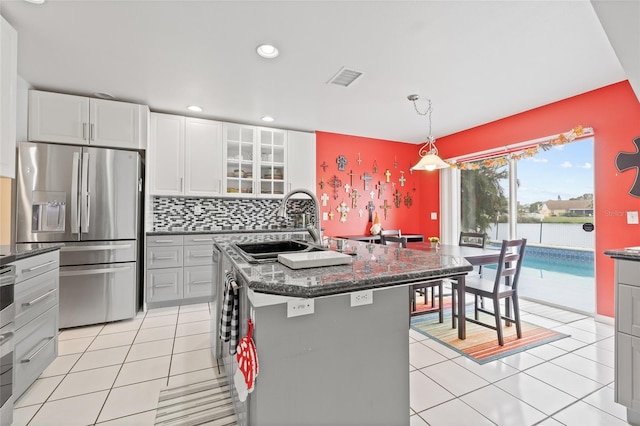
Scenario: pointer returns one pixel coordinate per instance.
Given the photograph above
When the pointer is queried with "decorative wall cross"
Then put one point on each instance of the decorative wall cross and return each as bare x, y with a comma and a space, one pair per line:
408, 201
402, 179
360, 212
351, 175
324, 198
386, 206
397, 198
629, 160
343, 209
372, 194
381, 187
359, 160
410, 168
335, 183
371, 208
388, 175
331, 214
375, 167
342, 161
354, 198
321, 184
324, 166
346, 188
395, 162
366, 177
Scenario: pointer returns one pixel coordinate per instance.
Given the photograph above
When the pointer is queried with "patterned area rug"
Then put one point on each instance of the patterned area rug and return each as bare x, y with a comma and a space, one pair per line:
481, 344
201, 403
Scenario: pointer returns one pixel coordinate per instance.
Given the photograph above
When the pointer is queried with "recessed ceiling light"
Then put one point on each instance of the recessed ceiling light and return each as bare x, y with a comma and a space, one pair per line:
267, 51
104, 95
194, 108
268, 118
35, 1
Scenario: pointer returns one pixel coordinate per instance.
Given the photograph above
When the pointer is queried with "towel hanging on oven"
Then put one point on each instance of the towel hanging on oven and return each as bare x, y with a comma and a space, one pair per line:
229, 320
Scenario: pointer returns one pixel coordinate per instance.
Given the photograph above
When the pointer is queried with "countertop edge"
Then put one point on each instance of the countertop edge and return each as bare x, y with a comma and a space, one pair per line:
224, 231
623, 254
23, 251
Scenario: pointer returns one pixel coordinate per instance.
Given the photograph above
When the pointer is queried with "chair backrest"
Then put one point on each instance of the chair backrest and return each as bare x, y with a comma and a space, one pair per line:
389, 233
472, 239
391, 240
510, 262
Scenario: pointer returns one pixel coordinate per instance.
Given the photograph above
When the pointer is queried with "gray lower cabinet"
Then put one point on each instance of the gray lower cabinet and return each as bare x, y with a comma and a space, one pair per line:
179, 269
36, 322
627, 338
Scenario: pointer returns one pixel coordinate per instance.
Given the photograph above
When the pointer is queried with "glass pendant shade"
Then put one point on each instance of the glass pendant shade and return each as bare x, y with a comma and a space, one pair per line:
430, 162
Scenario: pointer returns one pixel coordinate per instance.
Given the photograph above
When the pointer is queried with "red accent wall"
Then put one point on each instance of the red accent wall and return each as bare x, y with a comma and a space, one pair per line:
422, 186
614, 113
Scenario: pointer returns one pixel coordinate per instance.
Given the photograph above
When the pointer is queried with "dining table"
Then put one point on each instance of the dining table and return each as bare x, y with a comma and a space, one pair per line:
474, 255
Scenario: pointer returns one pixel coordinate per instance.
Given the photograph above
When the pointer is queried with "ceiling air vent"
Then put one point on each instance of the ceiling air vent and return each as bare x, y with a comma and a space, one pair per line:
345, 77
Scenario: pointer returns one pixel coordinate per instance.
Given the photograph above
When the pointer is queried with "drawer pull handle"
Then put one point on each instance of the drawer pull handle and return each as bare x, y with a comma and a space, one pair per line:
94, 271
35, 268
35, 354
5, 336
202, 255
163, 241
202, 239
163, 285
101, 247
38, 299
201, 282
164, 257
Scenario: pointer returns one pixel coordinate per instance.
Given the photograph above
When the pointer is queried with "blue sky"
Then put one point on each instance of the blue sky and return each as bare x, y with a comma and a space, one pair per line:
565, 171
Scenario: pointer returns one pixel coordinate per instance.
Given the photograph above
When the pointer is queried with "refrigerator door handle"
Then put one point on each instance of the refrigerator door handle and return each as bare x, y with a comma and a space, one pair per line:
94, 271
85, 208
74, 192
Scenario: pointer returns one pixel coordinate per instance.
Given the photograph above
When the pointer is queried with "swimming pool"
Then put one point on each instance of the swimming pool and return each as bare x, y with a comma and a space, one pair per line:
554, 259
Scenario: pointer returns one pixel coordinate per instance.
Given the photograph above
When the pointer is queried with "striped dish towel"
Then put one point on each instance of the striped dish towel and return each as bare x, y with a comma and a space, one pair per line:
229, 320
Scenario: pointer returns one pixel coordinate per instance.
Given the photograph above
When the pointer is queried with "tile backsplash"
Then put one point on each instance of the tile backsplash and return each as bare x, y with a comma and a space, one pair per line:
210, 214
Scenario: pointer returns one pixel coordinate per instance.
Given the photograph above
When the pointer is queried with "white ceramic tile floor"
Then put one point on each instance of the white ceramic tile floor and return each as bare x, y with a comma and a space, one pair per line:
112, 375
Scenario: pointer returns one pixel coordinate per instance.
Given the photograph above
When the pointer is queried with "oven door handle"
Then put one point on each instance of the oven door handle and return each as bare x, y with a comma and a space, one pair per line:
35, 354
6, 336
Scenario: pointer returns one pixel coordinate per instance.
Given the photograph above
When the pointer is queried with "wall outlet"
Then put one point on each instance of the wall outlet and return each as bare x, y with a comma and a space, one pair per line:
298, 307
364, 297
632, 218
197, 210
434, 215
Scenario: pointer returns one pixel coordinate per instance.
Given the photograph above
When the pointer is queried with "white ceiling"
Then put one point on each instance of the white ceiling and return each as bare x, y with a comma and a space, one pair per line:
477, 60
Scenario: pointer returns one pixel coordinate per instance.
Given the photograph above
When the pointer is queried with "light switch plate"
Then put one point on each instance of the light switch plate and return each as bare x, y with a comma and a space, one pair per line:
364, 297
434, 215
298, 307
632, 218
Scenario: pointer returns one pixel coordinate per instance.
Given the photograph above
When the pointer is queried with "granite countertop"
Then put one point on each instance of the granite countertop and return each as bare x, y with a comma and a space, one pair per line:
15, 252
624, 253
373, 266
183, 231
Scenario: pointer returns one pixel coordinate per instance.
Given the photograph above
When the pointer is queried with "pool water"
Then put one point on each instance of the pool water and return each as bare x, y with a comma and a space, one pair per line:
579, 268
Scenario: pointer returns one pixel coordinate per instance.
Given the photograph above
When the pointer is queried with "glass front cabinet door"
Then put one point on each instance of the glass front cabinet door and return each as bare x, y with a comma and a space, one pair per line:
255, 160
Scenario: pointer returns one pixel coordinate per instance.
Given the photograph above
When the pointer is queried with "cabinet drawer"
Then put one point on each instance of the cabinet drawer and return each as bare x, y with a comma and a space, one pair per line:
191, 240
198, 281
35, 296
164, 284
164, 257
36, 265
198, 255
628, 272
36, 347
164, 240
627, 383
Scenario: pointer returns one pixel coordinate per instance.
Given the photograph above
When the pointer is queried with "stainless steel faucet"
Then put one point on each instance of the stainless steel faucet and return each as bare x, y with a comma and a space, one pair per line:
313, 228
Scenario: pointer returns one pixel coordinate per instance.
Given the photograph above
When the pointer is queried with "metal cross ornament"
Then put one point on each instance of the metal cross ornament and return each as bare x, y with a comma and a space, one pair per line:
375, 167
408, 201
371, 208
366, 177
381, 187
387, 174
351, 175
397, 199
342, 161
354, 198
386, 206
359, 160
402, 179
629, 160
321, 184
343, 209
324, 166
335, 183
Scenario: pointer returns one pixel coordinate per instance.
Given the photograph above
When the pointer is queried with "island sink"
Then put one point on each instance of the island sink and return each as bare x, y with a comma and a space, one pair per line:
268, 251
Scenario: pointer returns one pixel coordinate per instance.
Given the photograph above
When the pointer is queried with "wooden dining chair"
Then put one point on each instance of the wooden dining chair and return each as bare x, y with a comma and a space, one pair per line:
419, 288
504, 286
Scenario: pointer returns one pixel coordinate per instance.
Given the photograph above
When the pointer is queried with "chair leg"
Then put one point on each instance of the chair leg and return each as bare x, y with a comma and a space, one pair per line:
516, 315
454, 291
412, 298
497, 315
477, 315
441, 310
433, 296
507, 311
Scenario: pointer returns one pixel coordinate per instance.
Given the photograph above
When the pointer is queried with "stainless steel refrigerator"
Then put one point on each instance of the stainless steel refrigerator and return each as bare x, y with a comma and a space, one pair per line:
89, 199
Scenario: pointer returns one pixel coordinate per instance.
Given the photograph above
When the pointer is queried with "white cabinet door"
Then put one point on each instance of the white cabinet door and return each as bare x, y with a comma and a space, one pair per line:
166, 154
8, 89
239, 165
301, 162
203, 157
114, 124
54, 117
271, 159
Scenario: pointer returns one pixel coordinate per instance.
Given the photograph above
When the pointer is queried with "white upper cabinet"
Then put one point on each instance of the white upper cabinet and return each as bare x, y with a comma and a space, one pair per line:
184, 156
203, 157
166, 154
255, 160
8, 98
301, 170
56, 117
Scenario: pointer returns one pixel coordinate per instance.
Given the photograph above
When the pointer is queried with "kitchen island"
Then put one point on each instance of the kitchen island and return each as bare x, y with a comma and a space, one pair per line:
332, 342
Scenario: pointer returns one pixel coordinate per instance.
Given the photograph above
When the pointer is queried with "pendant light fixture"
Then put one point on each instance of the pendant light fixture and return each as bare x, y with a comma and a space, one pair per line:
429, 159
